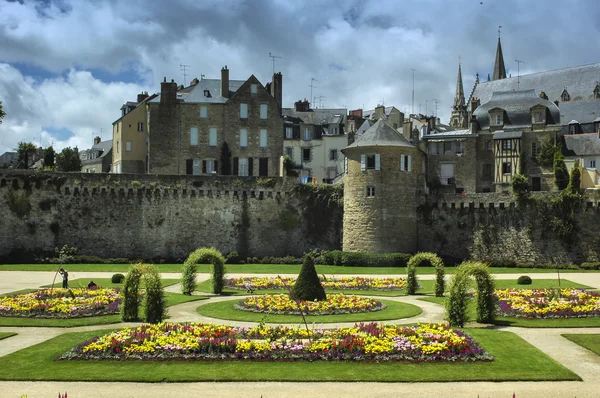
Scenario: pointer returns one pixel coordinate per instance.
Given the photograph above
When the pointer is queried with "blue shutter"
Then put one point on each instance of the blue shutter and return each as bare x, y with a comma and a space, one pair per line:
377, 161
363, 162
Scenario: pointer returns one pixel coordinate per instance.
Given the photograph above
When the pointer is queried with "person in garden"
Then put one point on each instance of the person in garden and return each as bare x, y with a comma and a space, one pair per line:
65, 278
92, 285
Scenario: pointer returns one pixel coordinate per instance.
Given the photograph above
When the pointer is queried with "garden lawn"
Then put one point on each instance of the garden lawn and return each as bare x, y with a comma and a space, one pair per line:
588, 341
271, 269
515, 360
526, 323
172, 299
225, 310
106, 283
5, 335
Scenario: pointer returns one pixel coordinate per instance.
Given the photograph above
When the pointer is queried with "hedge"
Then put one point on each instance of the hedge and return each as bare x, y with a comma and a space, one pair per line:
354, 259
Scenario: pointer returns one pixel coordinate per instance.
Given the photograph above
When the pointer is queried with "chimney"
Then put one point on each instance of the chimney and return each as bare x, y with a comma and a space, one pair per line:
225, 82
379, 112
473, 124
142, 96
543, 95
276, 89
431, 122
96, 140
302, 106
194, 81
556, 103
475, 103
357, 112
168, 92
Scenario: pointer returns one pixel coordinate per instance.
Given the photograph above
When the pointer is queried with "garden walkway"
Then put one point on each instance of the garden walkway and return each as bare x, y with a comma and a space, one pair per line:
572, 356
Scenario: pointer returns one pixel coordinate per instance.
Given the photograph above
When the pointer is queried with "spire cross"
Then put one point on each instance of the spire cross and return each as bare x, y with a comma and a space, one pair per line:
499, 27
459, 59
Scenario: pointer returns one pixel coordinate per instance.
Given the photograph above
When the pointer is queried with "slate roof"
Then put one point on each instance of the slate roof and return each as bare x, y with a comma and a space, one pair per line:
583, 144
368, 114
580, 82
517, 108
104, 146
581, 111
450, 134
195, 94
381, 134
317, 116
364, 127
502, 135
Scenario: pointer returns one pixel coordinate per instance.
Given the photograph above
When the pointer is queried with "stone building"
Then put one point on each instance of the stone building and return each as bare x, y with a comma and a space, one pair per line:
384, 176
225, 127
98, 158
314, 138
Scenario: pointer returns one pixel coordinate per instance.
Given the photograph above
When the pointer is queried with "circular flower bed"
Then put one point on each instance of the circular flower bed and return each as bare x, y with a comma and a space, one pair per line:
344, 283
61, 303
282, 304
548, 303
372, 342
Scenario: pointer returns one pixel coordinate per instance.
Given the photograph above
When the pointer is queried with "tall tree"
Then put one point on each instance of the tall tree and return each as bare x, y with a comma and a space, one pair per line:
25, 150
225, 160
2, 113
68, 160
561, 174
49, 156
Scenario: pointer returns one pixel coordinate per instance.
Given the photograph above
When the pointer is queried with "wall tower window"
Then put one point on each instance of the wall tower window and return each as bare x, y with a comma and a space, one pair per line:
370, 192
370, 162
405, 162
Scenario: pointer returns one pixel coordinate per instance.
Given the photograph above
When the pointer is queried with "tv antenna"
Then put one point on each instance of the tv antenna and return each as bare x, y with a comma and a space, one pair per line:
183, 69
321, 101
101, 131
273, 57
518, 72
312, 79
413, 92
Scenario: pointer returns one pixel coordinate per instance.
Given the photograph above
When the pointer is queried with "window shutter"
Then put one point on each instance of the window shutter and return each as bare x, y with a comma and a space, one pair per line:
189, 166
409, 163
296, 131
377, 161
402, 162
204, 167
363, 162
236, 165
216, 167
250, 166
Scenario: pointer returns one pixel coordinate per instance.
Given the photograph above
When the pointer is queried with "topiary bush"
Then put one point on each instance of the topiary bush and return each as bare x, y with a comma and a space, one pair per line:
131, 297
218, 274
524, 280
428, 260
117, 278
205, 255
308, 285
188, 278
154, 301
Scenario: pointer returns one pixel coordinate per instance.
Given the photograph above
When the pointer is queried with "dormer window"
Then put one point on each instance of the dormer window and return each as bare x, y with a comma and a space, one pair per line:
597, 91
574, 127
565, 97
498, 120
207, 93
538, 117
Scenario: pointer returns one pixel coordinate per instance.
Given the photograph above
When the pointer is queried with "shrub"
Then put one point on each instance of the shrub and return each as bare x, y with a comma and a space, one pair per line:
117, 278
188, 278
218, 274
524, 280
590, 266
575, 179
154, 302
358, 259
503, 263
205, 255
333, 257
456, 302
308, 285
561, 174
233, 257
131, 298
427, 260
520, 185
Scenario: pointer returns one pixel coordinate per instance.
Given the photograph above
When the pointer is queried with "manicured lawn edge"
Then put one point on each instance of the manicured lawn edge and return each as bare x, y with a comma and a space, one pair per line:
590, 342
105, 283
5, 335
225, 310
37, 363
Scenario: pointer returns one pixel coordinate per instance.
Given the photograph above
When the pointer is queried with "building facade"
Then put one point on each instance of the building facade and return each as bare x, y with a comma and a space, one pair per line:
97, 159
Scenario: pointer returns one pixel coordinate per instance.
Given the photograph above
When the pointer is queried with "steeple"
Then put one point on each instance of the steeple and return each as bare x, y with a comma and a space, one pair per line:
499, 69
458, 118
459, 98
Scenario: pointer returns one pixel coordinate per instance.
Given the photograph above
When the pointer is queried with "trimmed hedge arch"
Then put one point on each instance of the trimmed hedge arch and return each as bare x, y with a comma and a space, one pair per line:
205, 255
456, 302
154, 299
411, 272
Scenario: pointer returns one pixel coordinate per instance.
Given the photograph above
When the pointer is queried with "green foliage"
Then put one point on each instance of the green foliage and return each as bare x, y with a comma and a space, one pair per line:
424, 259
358, 259
233, 257
25, 150
131, 297
547, 153
524, 280
575, 179
225, 159
520, 185
561, 174
18, 202
136, 184
456, 302
288, 165
205, 255
154, 301
68, 160
218, 274
65, 254
188, 278
49, 156
117, 278
308, 285
590, 265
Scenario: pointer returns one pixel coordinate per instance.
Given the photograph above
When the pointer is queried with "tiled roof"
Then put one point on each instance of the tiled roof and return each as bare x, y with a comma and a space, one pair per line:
381, 134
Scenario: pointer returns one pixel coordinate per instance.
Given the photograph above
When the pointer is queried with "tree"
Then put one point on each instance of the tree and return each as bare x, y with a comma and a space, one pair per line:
561, 174
25, 150
68, 160
547, 152
2, 113
49, 156
225, 160
520, 185
575, 180
308, 286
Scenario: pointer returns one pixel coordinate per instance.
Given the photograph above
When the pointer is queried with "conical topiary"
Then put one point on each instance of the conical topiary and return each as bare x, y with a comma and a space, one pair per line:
308, 286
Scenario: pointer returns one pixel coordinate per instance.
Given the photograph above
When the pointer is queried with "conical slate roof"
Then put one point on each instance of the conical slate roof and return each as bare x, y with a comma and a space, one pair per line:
381, 134
459, 98
499, 69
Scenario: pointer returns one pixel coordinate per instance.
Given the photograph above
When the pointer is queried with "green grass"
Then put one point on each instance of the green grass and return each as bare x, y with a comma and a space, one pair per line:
225, 310
106, 283
37, 363
527, 323
538, 284
588, 341
172, 299
270, 269
5, 335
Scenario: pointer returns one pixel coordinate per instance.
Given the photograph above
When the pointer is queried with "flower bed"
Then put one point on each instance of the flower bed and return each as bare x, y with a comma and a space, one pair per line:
61, 303
282, 304
197, 341
345, 283
548, 303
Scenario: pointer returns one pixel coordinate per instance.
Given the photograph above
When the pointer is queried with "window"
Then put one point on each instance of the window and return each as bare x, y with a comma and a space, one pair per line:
506, 168
370, 192
306, 134
243, 111
435, 148
210, 166
405, 162
506, 145
593, 164
370, 162
460, 147
333, 154
288, 132
203, 112
289, 151
194, 136
196, 167
254, 88
497, 119
535, 149
538, 117
306, 155
243, 167
243, 138
447, 173
117, 146
487, 145
212, 136
447, 147
263, 111
128, 146
263, 138
141, 126
486, 174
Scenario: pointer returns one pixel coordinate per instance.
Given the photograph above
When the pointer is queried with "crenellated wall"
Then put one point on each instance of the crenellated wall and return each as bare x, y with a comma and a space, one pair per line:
151, 217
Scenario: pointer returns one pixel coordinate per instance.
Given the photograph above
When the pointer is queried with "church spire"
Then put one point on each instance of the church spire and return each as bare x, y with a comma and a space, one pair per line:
459, 98
458, 118
499, 69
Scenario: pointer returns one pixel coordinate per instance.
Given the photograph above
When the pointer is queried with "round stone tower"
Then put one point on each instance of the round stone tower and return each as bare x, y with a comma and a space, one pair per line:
384, 172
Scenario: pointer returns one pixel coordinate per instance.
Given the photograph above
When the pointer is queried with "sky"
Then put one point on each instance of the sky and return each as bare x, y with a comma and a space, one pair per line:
67, 66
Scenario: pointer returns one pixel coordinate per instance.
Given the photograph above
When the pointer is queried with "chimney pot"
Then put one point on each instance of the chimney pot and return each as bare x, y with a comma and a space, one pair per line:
225, 82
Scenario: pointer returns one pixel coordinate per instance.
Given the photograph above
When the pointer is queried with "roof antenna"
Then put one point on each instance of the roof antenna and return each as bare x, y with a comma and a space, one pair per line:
273, 58
518, 72
312, 79
182, 66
